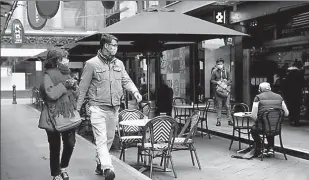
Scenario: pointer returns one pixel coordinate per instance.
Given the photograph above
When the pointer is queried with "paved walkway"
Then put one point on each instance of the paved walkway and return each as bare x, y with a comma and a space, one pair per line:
25, 155
292, 137
217, 164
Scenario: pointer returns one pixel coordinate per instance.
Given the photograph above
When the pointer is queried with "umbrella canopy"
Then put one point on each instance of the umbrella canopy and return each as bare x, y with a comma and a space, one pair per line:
165, 26
92, 47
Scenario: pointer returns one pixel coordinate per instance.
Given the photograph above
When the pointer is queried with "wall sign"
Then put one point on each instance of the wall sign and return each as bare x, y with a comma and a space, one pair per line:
17, 32
112, 19
47, 9
220, 17
36, 22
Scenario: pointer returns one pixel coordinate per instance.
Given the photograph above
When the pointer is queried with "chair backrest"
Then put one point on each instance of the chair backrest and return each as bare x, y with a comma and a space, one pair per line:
130, 114
162, 129
271, 120
240, 107
193, 120
145, 108
178, 100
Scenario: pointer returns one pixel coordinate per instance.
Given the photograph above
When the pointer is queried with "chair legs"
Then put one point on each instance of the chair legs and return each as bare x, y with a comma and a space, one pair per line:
192, 158
172, 163
123, 154
281, 144
232, 139
196, 157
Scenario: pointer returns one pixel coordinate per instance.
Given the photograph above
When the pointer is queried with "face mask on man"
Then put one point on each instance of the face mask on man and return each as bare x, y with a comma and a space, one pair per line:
220, 66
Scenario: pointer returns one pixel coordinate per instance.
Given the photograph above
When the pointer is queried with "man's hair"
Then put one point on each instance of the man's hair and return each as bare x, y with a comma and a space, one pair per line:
107, 38
219, 60
298, 64
53, 55
264, 86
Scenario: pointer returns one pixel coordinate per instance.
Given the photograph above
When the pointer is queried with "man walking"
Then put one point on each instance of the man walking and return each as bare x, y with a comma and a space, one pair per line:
103, 80
221, 79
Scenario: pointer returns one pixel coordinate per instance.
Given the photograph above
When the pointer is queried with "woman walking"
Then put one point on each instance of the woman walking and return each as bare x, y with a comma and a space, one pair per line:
59, 92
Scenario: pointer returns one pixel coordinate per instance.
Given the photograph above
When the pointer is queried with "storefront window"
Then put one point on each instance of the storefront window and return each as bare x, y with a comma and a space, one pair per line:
175, 71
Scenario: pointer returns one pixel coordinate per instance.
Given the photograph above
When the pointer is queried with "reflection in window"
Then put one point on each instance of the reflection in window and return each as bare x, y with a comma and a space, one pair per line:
74, 15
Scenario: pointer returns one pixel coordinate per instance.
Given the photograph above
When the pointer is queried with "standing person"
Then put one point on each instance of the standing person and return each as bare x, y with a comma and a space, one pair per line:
221, 76
103, 79
59, 92
293, 85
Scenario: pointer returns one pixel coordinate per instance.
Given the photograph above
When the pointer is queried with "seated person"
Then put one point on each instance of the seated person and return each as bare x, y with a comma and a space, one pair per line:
165, 99
262, 102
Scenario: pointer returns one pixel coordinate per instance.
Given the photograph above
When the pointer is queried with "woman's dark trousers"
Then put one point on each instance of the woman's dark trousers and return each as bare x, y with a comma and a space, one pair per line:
68, 139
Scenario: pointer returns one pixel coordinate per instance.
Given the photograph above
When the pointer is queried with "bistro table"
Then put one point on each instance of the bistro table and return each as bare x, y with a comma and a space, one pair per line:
244, 124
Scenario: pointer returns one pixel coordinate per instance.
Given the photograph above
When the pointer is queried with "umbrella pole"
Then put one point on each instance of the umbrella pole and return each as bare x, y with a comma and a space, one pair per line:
148, 75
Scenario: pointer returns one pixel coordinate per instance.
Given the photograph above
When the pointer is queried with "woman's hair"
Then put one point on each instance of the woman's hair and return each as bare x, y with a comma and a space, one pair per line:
52, 57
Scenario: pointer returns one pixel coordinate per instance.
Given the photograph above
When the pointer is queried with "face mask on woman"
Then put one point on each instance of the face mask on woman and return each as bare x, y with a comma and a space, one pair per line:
65, 62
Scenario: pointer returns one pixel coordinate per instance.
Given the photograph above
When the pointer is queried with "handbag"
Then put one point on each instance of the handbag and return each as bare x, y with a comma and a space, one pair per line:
62, 124
222, 89
45, 121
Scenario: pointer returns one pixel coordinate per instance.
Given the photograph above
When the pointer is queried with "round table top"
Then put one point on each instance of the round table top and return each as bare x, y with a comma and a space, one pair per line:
187, 106
242, 114
135, 122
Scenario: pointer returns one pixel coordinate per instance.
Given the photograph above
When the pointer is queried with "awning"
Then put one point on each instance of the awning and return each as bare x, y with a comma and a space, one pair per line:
18, 52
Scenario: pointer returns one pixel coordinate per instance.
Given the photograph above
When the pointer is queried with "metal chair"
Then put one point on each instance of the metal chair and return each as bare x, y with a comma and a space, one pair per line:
187, 143
144, 107
204, 116
161, 131
240, 125
180, 114
129, 136
271, 126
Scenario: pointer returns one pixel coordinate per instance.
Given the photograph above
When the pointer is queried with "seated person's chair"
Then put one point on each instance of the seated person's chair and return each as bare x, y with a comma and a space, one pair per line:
271, 127
240, 124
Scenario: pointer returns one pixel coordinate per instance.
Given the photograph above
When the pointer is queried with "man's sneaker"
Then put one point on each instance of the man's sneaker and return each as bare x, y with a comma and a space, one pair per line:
230, 123
58, 177
109, 174
65, 175
99, 170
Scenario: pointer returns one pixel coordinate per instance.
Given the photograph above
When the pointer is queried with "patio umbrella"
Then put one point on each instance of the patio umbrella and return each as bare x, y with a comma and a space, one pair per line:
164, 27
155, 28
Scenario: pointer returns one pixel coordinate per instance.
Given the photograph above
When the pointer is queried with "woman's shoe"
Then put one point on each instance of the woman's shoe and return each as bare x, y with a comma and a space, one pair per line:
58, 177
218, 123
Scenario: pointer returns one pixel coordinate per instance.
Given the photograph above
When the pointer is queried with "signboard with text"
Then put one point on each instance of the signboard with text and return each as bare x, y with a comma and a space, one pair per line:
220, 17
17, 32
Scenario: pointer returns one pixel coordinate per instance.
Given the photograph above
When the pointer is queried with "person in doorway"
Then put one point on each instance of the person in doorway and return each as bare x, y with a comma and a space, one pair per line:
59, 92
165, 99
221, 77
293, 86
103, 79
262, 102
